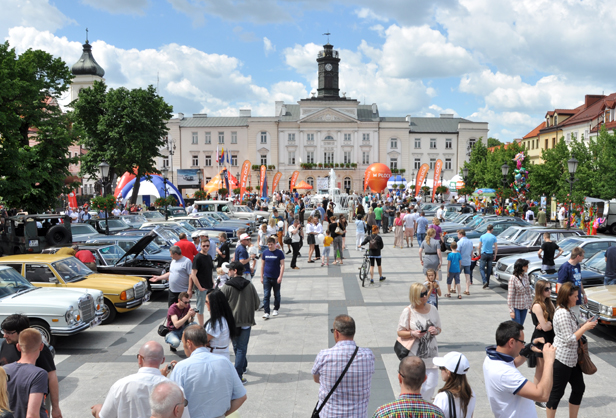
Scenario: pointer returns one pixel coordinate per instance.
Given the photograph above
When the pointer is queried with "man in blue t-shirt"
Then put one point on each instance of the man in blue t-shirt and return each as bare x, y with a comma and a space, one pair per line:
241, 255
570, 271
422, 227
488, 249
272, 269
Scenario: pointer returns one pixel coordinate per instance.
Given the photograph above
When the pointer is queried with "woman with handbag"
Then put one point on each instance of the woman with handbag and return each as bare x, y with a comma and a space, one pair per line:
418, 326
295, 231
567, 334
520, 292
456, 399
399, 231
343, 225
313, 228
336, 233
220, 328
542, 314
430, 253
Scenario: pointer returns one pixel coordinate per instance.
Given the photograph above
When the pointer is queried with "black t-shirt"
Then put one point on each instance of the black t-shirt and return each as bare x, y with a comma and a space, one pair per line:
610, 265
226, 251
204, 266
549, 248
10, 354
332, 229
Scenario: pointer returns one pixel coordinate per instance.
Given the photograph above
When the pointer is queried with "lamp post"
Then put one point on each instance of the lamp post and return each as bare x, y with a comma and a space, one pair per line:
426, 185
505, 171
165, 173
103, 170
465, 177
572, 164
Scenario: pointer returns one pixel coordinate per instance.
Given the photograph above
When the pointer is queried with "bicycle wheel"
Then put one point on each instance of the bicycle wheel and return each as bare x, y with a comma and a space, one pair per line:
363, 271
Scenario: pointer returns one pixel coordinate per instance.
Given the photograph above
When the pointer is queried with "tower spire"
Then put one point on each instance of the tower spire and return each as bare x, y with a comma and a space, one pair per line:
87, 35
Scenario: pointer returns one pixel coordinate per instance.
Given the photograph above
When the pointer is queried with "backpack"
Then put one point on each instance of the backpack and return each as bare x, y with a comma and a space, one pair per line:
375, 244
531, 216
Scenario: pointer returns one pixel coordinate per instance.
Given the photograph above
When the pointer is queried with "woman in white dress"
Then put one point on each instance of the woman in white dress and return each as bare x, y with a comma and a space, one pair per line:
220, 328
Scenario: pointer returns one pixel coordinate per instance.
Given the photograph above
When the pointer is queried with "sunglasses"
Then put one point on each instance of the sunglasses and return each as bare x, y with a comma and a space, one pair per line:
547, 289
423, 294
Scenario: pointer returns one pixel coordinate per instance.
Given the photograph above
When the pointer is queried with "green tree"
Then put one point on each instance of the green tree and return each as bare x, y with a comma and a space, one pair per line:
550, 178
493, 142
124, 127
30, 84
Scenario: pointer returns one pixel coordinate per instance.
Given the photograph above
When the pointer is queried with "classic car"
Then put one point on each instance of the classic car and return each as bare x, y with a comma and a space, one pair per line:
531, 240
31, 233
121, 293
134, 220
152, 215
230, 209
508, 235
469, 223
206, 224
115, 225
498, 225
173, 211
84, 232
165, 237
220, 218
602, 302
112, 259
151, 252
592, 244
54, 312
593, 272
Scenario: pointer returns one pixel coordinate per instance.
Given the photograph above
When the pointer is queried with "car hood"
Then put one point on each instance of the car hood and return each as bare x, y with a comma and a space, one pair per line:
109, 283
138, 247
46, 297
553, 278
605, 295
499, 241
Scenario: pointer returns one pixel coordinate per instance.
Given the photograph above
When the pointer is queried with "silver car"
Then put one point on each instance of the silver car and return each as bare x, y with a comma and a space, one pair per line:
592, 244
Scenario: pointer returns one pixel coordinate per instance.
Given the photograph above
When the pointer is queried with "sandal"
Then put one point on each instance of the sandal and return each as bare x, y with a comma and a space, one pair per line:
453, 290
447, 295
467, 293
459, 296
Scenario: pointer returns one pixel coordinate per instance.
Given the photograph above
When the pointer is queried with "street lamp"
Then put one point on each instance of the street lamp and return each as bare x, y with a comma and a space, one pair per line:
505, 171
165, 173
572, 166
103, 170
426, 185
465, 177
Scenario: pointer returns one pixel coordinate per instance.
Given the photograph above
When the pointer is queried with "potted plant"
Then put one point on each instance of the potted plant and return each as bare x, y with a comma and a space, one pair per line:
354, 165
336, 165
257, 188
256, 167
161, 202
402, 170
394, 170
347, 165
425, 189
222, 192
320, 165
236, 190
442, 189
249, 188
99, 203
200, 195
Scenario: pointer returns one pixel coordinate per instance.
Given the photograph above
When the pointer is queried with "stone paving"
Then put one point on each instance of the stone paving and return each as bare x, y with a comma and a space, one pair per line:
282, 349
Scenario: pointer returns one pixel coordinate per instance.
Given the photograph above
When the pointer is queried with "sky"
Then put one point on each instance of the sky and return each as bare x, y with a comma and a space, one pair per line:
498, 61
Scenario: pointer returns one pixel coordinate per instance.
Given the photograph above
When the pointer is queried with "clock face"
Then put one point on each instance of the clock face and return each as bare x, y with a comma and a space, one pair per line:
328, 67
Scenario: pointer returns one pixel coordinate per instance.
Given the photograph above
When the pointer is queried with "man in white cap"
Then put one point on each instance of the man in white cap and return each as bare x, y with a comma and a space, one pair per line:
195, 239
453, 369
204, 236
241, 255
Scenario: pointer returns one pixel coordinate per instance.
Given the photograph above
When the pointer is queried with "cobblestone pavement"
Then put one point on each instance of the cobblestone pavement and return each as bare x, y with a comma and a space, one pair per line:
282, 349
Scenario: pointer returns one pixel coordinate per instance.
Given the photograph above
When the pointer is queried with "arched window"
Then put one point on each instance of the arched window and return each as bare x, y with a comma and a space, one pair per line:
328, 138
310, 181
348, 183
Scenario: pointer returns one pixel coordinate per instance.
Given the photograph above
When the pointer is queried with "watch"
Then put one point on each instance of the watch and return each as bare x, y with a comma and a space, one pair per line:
328, 67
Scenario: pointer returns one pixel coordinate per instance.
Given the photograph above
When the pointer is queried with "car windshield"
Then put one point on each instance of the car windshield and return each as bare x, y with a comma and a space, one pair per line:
526, 238
134, 219
71, 269
223, 216
12, 282
115, 223
187, 226
569, 243
247, 209
509, 232
597, 262
452, 216
181, 212
153, 215
168, 235
83, 229
206, 221
112, 254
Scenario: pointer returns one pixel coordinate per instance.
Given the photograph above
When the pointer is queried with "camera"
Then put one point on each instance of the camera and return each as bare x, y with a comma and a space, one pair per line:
196, 310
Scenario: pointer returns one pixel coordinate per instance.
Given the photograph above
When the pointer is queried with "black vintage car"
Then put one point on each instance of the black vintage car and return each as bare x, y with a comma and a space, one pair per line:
532, 240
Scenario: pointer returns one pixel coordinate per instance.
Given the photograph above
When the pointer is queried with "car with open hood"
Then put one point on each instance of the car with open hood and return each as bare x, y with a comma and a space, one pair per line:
121, 293
165, 237
152, 251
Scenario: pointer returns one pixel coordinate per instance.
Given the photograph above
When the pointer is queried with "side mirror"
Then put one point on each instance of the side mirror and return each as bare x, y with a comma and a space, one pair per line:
54, 280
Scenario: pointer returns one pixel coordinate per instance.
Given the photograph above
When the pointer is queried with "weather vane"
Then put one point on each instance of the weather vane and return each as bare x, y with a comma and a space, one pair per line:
86, 35
327, 34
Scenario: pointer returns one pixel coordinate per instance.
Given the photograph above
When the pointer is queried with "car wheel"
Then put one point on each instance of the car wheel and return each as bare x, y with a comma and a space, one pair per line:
43, 327
613, 229
109, 312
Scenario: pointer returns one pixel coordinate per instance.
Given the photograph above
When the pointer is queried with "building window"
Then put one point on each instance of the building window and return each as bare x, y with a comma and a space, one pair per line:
328, 138
195, 160
328, 157
310, 137
195, 138
310, 181
417, 143
532, 144
207, 180
289, 183
393, 163
291, 157
347, 157
553, 142
208, 160
264, 137
366, 137
365, 157
264, 159
432, 143
234, 137
448, 143
208, 137
234, 160
165, 162
393, 143
347, 183
471, 143
291, 137
432, 163
221, 137
417, 164
310, 157
447, 163
347, 137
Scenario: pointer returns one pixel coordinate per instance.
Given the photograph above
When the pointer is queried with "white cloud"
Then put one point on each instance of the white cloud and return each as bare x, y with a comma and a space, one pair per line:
268, 46
506, 125
35, 13
119, 6
380, 29
368, 14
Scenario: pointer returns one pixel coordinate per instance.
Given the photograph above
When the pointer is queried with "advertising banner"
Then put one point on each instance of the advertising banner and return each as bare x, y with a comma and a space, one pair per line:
262, 179
244, 177
366, 179
264, 187
72, 200
277, 177
421, 176
294, 177
188, 177
322, 183
437, 177
226, 181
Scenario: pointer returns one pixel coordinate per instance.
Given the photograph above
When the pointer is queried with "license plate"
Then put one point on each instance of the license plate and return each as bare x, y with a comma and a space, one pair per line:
33, 243
146, 297
497, 276
95, 322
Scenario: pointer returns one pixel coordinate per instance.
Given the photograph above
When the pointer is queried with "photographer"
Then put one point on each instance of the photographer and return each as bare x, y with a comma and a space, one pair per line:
179, 316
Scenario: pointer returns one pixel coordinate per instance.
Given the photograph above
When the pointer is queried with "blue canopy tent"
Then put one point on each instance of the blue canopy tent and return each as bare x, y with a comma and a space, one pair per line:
154, 187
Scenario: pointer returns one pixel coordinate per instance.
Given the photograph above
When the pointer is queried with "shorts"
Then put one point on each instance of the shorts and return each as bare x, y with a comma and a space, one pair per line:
453, 276
409, 232
311, 239
200, 305
375, 260
326, 251
466, 269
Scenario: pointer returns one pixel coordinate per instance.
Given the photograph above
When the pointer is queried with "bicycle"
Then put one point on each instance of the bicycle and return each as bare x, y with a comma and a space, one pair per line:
364, 269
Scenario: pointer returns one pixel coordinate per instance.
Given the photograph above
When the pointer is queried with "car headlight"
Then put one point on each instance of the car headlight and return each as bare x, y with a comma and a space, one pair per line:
99, 302
72, 316
450, 240
127, 294
606, 310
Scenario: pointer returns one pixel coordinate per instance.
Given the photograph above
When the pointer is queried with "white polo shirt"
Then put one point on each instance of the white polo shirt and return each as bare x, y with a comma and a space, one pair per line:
503, 382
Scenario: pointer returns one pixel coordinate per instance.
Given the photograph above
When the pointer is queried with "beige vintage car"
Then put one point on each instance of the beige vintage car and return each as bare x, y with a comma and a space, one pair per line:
602, 302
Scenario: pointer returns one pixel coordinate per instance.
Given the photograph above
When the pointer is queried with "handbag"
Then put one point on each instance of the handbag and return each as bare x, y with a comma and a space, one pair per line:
402, 346
452, 405
162, 328
586, 364
287, 239
317, 411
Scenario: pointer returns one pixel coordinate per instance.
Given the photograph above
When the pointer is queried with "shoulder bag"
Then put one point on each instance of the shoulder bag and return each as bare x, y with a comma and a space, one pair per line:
317, 410
586, 364
162, 328
452, 404
403, 346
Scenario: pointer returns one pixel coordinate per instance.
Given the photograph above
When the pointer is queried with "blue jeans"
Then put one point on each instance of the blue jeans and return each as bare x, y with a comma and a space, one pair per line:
420, 237
240, 347
378, 223
520, 315
268, 284
486, 260
174, 338
608, 280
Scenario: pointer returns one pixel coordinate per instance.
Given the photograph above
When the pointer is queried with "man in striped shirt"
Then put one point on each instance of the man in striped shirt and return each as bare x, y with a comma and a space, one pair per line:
411, 375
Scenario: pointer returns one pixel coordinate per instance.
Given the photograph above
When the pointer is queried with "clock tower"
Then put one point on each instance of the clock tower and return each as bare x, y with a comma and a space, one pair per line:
328, 73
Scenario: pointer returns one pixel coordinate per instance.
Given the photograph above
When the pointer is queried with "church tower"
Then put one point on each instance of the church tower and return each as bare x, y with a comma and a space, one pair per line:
328, 73
86, 71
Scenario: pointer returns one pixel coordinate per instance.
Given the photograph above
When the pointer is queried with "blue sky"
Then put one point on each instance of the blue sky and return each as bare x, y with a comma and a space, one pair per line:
503, 62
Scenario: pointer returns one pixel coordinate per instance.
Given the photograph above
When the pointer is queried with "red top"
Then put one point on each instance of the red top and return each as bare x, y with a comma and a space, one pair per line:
188, 248
85, 256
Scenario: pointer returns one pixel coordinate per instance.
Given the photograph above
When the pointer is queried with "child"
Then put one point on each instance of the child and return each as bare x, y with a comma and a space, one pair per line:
454, 267
434, 290
327, 241
222, 275
253, 253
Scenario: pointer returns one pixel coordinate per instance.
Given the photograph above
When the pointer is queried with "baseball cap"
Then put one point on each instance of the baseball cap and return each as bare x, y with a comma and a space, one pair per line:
454, 362
244, 236
195, 234
203, 234
225, 267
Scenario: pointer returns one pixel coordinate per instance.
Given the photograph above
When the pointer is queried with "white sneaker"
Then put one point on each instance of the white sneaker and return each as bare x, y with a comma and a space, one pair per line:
266, 315
275, 312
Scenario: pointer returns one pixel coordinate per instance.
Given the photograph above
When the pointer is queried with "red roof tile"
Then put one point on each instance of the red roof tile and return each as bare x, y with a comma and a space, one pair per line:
589, 113
535, 131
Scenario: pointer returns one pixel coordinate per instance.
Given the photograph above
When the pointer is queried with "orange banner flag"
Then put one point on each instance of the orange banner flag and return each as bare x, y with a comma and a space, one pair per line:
262, 179
294, 177
421, 176
244, 177
366, 178
277, 177
436, 182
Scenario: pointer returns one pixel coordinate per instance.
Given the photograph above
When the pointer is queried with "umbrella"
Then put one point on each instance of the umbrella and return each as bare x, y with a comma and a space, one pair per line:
218, 182
485, 192
303, 185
